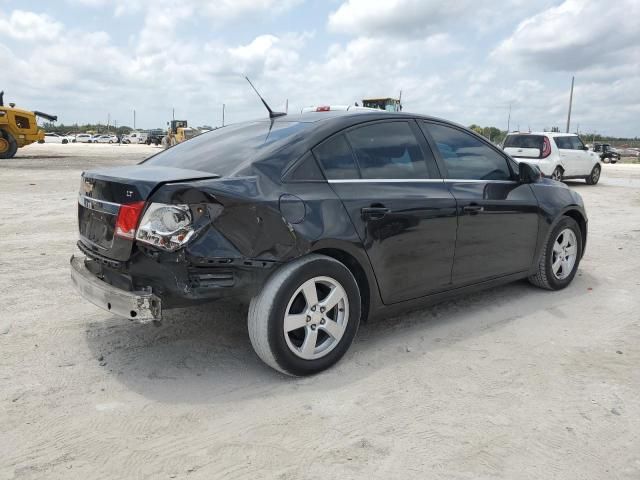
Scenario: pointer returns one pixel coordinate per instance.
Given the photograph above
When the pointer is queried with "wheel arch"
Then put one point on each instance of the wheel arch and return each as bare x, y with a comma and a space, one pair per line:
357, 270
581, 220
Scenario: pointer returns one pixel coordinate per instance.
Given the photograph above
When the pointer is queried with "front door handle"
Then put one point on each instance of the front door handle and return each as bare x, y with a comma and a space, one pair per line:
374, 213
473, 209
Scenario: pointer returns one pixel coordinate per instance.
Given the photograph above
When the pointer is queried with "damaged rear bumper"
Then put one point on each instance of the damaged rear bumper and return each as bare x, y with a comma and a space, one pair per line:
140, 305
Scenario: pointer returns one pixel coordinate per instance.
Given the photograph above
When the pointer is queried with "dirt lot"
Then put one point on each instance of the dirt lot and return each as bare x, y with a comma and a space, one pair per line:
513, 383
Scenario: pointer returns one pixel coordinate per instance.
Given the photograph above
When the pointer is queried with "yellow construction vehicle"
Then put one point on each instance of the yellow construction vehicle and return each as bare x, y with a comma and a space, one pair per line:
178, 132
19, 128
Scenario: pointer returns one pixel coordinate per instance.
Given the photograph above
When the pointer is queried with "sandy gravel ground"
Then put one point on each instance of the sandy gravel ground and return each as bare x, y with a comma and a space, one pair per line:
513, 383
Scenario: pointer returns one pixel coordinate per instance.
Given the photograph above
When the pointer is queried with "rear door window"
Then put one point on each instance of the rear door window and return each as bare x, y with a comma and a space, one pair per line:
563, 143
576, 143
389, 150
336, 158
467, 157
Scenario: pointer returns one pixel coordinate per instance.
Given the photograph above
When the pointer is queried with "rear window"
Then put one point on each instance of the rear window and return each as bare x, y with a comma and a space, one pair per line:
228, 149
524, 141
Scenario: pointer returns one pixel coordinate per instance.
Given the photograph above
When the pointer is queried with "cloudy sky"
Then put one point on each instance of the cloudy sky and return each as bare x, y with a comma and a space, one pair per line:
463, 60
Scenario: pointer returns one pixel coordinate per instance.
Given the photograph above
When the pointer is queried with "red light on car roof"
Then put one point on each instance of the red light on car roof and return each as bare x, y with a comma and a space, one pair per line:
324, 108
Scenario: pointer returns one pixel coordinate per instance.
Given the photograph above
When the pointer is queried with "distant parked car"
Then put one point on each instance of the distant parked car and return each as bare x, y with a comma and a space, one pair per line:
83, 138
630, 152
155, 136
106, 139
606, 152
135, 137
561, 156
54, 138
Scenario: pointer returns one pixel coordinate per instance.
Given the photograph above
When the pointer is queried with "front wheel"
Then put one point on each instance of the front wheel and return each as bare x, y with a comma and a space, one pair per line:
306, 316
594, 176
560, 258
8, 145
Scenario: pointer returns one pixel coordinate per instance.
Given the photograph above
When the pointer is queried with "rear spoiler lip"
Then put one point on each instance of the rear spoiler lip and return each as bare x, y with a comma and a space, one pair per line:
51, 118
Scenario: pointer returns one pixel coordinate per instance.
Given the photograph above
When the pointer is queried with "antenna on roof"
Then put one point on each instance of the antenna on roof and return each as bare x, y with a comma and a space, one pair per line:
272, 114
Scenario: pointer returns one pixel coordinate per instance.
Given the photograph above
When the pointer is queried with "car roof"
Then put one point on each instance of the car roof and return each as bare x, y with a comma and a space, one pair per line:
548, 134
356, 114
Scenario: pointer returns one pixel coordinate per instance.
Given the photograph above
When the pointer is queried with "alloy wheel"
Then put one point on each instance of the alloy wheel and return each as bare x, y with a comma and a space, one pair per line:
595, 175
316, 318
565, 253
556, 175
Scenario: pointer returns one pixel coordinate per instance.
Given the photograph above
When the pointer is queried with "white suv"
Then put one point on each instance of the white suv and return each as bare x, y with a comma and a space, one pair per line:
559, 155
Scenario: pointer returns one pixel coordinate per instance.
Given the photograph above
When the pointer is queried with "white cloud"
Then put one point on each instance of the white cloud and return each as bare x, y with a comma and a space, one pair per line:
406, 17
576, 35
30, 26
443, 69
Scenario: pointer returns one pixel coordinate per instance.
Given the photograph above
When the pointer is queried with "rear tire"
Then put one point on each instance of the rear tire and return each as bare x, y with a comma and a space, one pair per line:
8, 145
553, 273
557, 174
291, 330
594, 176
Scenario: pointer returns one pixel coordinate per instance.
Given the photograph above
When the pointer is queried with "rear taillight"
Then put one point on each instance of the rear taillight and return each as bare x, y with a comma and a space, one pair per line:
546, 148
166, 226
325, 108
127, 221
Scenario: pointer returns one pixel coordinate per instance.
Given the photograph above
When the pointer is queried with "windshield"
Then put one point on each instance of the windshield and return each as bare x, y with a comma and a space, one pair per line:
225, 150
524, 141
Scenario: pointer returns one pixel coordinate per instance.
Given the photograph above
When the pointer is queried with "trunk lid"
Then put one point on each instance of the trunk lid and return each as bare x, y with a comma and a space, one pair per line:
102, 192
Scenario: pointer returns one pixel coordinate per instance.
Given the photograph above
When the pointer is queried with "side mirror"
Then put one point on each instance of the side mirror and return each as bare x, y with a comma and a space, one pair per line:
528, 173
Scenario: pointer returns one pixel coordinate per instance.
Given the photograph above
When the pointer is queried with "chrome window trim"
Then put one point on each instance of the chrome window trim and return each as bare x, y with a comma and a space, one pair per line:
387, 180
468, 180
420, 180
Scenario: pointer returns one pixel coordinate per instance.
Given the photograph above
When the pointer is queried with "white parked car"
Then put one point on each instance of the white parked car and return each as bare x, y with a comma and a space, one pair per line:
561, 156
106, 139
55, 138
135, 137
83, 138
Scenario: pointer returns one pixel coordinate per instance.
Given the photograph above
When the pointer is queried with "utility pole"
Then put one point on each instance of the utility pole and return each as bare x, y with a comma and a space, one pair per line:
173, 113
134, 118
108, 121
223, 114
509, 119
570, 102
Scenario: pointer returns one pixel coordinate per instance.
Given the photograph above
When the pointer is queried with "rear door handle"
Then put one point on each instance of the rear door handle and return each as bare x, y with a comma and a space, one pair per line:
374, 212
473, 209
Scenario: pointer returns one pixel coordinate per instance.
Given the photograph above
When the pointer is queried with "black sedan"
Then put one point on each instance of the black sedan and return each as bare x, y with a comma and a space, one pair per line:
320, 221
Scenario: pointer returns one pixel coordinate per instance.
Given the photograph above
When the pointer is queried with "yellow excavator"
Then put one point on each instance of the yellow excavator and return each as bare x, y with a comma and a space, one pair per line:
178, 132
18, 128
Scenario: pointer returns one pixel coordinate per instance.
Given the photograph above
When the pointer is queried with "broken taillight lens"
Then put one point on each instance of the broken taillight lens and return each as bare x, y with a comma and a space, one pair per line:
127, 220
166, 226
